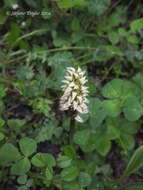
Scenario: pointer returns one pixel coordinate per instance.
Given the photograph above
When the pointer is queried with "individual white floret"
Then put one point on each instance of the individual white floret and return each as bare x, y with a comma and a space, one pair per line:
79, 119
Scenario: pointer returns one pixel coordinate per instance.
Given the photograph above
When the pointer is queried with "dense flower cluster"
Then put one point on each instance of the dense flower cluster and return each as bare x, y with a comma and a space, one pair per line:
75, 92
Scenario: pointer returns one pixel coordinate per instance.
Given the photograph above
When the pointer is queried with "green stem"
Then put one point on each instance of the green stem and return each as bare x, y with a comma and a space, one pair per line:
54, 50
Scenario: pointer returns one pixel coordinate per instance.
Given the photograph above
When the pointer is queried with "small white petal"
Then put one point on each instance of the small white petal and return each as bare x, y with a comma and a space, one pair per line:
70, 69
79, 109
80, 99
69, 78
75, 104
65, 81
79, 119
74, 94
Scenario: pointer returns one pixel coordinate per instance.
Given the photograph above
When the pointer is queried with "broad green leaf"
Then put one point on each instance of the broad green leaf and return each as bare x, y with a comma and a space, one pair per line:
98, 7
103, 146
23, 187
2, 122
21, 167
112, 107
113, 50
43, 160
71, 3
138, 78
127, 141
133, 109
122, 32
27, 146
22, 179
16, 124
2, 136
94, 106
81, 137
133, 39
113, 37
70, 173
113, 131
8, 154
59, 61
25, 72
97, 119
90, 144
69, 151
136, 25
45, 133
64, 161
71, 186
135, 163
128, 127
113, 89
84, 179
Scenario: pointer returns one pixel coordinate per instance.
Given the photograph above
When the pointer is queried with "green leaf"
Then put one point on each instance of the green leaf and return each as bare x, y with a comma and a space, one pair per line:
69, 151
43, 160
112, 107
45, 133
2, 91
22, 179
133, 39
113, 89
84, 179
94, 106
96, 120
2, 136
81, 137
48, 173
2, 122
135, 163
129, 127
25, 72
113, 37
27, 146
9, 3
64, 161
41, 105
127, 141
133, 109
113, 131
8, 154
23, 187
69, 174
98, 7
71, 186
103, 146
21, 167
59, 62
14, 34
122, 32
16, 124
136, 25
3, 16
71, 3
113, 50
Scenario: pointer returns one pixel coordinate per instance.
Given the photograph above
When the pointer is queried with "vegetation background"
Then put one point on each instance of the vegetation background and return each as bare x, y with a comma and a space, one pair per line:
42, 147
